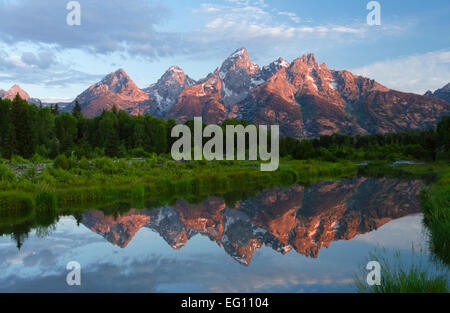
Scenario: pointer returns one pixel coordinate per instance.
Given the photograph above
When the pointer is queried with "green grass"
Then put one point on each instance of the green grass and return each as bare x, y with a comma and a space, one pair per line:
15, 208
398, 276
435, 202
108, 178
15, 202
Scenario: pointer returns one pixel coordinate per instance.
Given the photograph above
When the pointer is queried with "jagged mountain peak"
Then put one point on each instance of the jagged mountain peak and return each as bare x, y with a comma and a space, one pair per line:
242, 51
442, 93
115, 89
13, 91
164, 94
175, 75
117, 81
15, 87
238, 59
174, 71
307, 59
281, 62
269, 70
175, 68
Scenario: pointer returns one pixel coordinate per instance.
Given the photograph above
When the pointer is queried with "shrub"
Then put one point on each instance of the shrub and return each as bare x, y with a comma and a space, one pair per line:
30, 173
6, 174
140, 153
62, 162
84, 164
37, 159
17, 160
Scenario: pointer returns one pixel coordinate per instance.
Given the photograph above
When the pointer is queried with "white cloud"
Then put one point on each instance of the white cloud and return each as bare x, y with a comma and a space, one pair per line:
414, 73
42, 67
251, 20
291, 16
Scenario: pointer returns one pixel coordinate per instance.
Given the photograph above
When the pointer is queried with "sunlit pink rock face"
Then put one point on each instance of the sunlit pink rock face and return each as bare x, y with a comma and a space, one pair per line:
116, 89
13, 91
305, 98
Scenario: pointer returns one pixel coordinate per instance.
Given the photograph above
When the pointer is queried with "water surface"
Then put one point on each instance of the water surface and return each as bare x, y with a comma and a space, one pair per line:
285, 239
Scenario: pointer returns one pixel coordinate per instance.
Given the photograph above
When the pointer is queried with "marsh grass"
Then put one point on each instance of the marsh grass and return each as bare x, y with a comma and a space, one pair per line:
46, 200
15, 203
404, 276
435, 202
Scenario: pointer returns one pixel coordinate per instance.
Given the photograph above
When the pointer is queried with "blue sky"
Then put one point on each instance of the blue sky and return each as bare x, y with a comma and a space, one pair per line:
409, 51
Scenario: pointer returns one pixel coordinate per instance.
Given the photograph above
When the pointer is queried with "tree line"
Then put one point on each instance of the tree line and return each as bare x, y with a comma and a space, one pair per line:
432, 144
28, 129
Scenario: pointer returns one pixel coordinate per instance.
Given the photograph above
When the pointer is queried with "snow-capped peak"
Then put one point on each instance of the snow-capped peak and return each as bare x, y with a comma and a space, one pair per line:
239, 52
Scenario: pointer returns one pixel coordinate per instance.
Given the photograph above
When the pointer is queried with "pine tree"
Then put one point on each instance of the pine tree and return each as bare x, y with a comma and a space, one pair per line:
9, 141
112, 144
77, 110
55, 109
66, 130
21, 121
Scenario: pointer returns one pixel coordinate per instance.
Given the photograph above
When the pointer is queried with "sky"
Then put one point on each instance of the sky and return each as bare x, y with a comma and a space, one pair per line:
409, 51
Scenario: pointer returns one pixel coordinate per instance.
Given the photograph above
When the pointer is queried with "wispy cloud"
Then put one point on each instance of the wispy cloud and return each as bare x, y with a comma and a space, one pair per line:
252, 20
292, 16
42, 67
413, 73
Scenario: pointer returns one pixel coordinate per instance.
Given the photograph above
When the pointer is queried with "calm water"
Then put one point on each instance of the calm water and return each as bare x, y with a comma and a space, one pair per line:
286, 239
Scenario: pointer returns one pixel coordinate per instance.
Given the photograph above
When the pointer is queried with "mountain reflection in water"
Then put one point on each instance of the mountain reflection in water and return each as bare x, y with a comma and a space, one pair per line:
283, 218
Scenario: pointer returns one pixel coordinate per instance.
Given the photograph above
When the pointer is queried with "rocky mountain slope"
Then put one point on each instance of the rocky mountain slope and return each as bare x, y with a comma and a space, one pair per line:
116, 89
164, 94
304, 97
13, 91
442, 93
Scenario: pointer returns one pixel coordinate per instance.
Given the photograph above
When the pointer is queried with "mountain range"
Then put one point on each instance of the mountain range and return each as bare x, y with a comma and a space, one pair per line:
304, 97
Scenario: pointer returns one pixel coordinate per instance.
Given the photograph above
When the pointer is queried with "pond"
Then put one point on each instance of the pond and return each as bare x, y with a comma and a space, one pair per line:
284, 239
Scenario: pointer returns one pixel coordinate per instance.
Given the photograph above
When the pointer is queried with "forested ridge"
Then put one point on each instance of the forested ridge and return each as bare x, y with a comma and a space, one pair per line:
29, 130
